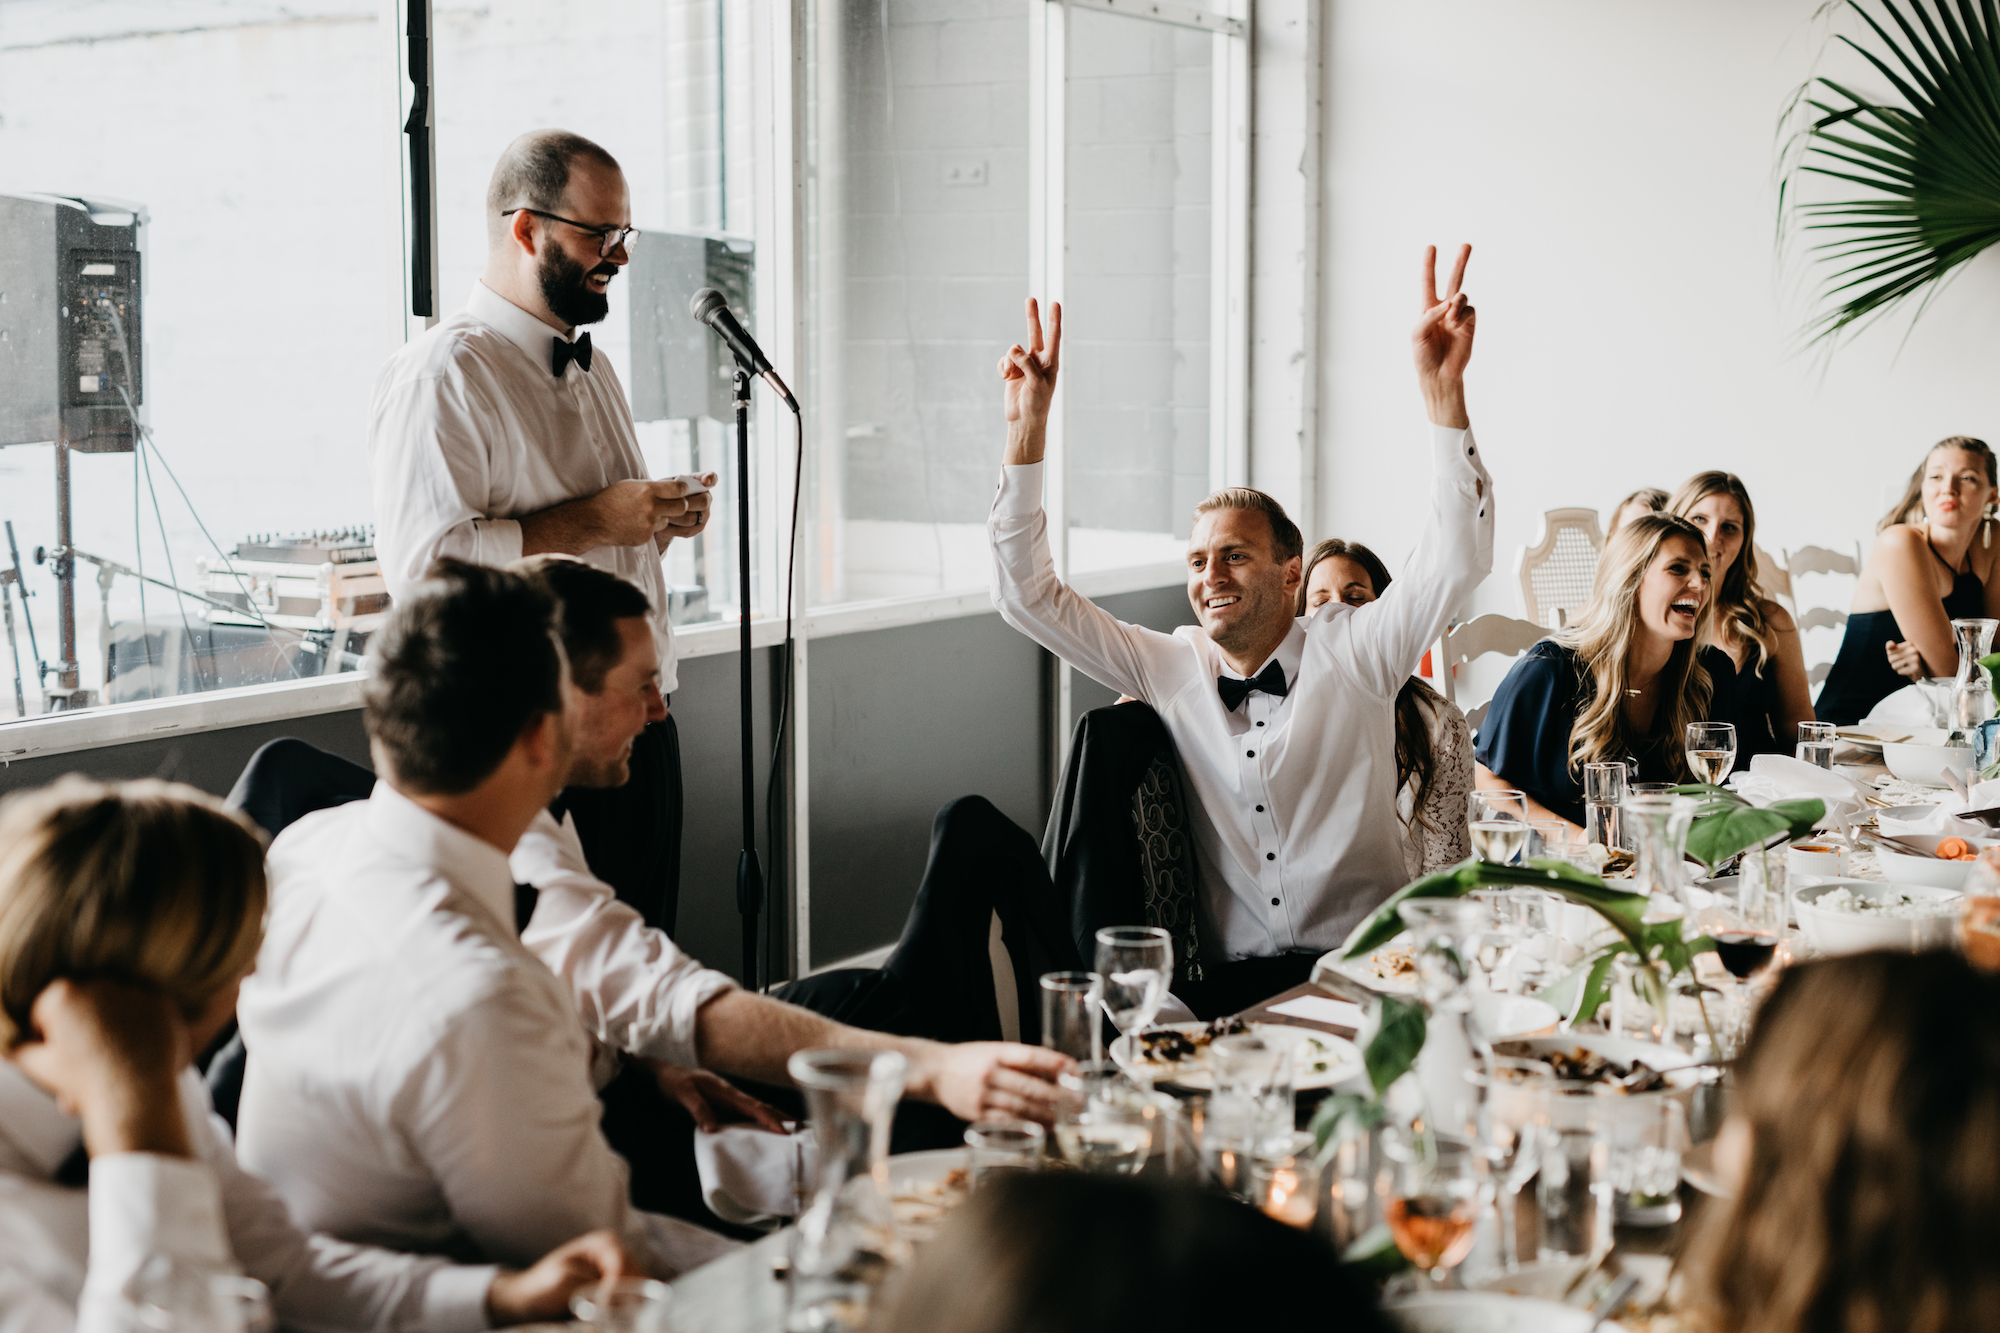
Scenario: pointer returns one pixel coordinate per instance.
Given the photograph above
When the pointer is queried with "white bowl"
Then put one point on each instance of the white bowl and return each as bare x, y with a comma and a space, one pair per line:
1573, 1112
1845, 932
1926, 765
1484, 1312
1920, 865
1909, 814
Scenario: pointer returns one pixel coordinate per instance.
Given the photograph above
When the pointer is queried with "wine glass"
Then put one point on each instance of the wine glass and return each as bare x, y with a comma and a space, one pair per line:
1711, 751
1747, 926
1135, 962
1436, 1189
1815, 747
1499, 825
1508, 1106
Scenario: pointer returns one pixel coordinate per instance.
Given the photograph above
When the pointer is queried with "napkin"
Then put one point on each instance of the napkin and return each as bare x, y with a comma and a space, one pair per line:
1779, 777
751, 1175
1910, 706
1942, 822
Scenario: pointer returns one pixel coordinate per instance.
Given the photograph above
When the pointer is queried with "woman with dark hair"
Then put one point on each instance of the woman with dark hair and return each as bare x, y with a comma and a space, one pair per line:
1065, 1252
1934, 562
1864, 1143
1433, 743
1618, 686
1767, 694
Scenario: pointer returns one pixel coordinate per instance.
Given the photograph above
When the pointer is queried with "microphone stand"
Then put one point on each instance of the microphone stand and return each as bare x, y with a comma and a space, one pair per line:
749, 874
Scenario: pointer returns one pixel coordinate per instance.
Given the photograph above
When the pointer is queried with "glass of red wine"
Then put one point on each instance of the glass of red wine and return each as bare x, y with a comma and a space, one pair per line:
1747, 923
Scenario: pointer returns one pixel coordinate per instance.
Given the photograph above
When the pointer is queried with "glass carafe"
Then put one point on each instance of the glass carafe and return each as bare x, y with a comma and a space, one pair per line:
1658, 824
1972, 691
846, 1238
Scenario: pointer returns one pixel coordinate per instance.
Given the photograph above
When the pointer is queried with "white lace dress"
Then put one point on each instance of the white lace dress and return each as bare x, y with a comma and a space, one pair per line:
1440, 838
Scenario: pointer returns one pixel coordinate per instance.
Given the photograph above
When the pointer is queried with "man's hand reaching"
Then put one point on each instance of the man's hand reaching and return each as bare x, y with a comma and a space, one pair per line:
1029, 377
541, 1294
1442, 342
977, 1079
711, 1099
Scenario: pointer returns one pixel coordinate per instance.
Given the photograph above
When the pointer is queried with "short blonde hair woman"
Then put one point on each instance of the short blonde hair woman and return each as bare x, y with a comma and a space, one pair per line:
1620, 684
129, 913
1766, 692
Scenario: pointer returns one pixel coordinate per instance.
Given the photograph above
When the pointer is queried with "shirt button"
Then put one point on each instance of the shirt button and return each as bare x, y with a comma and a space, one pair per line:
1260, 724
1249, 754
1260, 809
1270, 856
1274, 902
1468, 451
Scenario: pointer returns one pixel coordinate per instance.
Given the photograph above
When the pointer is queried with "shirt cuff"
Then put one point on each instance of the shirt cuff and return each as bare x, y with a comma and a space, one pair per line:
142, 1205
455, 1298
499, 541
1455, 454
675, 1041
1020, 491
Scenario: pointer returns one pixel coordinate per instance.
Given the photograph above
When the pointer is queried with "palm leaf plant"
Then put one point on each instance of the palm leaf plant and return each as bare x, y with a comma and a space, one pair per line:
1927, 167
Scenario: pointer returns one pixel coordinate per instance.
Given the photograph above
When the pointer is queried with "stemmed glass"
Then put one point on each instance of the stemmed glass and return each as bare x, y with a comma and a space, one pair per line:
1711, 751
1747, 926
1509, 1104
1815, 747
1435, 1188
1135, 962
1499, 825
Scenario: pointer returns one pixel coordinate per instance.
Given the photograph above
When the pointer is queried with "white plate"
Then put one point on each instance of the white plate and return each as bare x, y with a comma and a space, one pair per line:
1363, 970
1485, 1312
1319, 1061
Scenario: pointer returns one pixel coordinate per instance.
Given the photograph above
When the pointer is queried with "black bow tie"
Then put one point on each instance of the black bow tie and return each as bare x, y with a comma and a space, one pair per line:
1234, 689
566, 352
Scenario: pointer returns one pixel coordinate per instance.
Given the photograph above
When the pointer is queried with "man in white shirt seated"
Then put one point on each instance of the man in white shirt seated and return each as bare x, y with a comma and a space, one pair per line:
416, 1077
636, 991
117, 1183
1285, 726
499, 434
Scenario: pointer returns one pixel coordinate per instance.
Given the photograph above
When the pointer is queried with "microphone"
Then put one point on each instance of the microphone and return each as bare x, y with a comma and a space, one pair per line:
712, 308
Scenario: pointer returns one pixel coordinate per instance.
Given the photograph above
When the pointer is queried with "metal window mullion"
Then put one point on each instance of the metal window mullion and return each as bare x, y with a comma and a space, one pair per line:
1164, 11
1048, 47
1229, 346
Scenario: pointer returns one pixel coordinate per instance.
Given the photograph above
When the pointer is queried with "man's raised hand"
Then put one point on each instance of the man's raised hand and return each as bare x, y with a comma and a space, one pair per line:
1028, 375
1442, 342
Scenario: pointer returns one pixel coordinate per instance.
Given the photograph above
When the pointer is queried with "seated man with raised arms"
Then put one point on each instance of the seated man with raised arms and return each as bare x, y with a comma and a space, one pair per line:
1286, 727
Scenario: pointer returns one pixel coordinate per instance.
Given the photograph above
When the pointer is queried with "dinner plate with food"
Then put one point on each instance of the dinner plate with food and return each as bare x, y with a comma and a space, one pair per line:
1390, 970
1177, 1053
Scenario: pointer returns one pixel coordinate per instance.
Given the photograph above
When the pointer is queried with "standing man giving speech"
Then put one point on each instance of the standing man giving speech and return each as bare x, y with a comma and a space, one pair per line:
1286, 725
498, 435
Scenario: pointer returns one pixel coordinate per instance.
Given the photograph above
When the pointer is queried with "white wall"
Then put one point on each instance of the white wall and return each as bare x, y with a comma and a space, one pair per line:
1613, 166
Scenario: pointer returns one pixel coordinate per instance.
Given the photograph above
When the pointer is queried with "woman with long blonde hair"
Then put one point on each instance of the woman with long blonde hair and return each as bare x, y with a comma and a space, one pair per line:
1619, 685
1765, 693
1935, 561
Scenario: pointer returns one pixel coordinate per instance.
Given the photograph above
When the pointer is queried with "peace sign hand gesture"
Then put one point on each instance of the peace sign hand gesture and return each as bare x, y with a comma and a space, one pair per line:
1028, 375
1442, 341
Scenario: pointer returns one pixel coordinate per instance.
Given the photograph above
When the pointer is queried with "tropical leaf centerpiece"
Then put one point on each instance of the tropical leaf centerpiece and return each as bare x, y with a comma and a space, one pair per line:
1724, 825
1928, 167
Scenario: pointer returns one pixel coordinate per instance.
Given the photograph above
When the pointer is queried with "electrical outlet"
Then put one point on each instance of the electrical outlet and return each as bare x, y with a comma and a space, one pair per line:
965, 173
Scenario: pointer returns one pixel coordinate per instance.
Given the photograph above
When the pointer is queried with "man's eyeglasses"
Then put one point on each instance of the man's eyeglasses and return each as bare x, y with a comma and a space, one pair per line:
608, 238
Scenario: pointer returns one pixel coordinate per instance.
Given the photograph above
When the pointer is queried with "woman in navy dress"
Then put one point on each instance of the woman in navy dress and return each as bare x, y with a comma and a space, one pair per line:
1620, 685
1764, 692
1933, 563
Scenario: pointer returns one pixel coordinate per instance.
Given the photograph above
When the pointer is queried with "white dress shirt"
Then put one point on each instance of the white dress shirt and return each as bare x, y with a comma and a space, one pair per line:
1294, 815
416, 1078
634, 988
470, 429
67, 1255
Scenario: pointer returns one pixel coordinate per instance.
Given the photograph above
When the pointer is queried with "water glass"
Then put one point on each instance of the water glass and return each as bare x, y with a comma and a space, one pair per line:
1071, 1014
1134, 963
1643, 1138
1548, 837
1002, 1146
1498, 821
1107, 1124
1603, 790
1815, 745
624, 1305
1573, 1193
1444, 935
1711, 751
